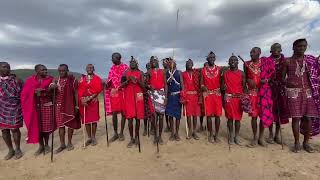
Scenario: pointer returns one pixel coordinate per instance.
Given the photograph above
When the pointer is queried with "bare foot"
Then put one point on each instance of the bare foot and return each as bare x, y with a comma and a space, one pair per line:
252, 144
270, 140
70, 147
121, 137
18, 154
308, 148
60, 149
94, 142
195, 136
131, 143
177, 137
114, 137
262, 143
296, 148
39, 151
9, 155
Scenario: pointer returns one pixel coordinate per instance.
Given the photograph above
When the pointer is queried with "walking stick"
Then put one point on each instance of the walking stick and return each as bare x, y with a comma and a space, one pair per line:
84, 126
279, 124
105, 113
186, 118
156, 125
39, 117
135, 109
53, 119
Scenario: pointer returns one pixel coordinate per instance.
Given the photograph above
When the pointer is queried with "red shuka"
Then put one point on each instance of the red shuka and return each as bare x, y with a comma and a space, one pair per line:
157, 79
234, 90
30, 111
212, 102
253, 72
88, 88
133, 93
191, 93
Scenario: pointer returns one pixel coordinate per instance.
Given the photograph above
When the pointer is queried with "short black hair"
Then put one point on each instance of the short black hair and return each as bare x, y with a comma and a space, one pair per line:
65, 65
36, 67
257, 48
3, 62
300, 40
117, 55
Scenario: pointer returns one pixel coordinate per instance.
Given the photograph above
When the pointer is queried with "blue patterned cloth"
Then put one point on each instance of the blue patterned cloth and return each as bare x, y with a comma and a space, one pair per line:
173, 107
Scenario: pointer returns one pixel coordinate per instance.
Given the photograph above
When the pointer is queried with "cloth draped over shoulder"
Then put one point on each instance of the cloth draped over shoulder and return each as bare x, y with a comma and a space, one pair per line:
265, 101
10, 103
115, 74
68, 103
28, 104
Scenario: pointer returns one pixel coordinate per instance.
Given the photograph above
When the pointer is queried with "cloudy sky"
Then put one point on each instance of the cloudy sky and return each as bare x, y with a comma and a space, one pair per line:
78, 32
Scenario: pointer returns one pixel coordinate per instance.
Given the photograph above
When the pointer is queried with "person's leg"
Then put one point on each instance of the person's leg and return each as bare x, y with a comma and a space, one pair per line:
209, 126
7, 139
237, 131
123, 124
254, 127
62, 133
277, 138
70, 134
160, 128
201, 124
46, 136
145, 125
261, 141
130, 125
41, 145
217, 128
230, 129
270, 139
189, 127
177, 129
88, 129
307, 134
295, 131
168, 128
172, 136
93, 135
17, 139
137, 129
194, 134
115, 126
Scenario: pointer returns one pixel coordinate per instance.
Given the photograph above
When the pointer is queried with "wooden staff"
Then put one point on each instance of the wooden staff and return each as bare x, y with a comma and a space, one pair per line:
105, 113
156, 125
84, 126
186, 118
53, 120
175, 34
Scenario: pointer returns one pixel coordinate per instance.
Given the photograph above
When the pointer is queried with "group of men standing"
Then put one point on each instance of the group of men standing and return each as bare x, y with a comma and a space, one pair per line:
272, 89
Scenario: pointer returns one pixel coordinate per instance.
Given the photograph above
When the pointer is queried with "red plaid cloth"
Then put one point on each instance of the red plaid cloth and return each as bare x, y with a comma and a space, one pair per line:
46, 109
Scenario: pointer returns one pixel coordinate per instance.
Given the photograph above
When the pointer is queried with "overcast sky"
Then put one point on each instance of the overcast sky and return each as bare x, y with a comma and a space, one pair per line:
78, 32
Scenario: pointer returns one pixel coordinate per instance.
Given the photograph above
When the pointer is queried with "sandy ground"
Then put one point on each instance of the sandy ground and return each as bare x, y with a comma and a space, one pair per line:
176, 160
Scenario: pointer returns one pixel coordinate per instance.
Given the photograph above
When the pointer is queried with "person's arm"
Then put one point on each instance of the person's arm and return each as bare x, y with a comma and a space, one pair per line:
124, 80
141, 81
165, 87
203, 87
244, 84
181, 79
284, 72
222, 83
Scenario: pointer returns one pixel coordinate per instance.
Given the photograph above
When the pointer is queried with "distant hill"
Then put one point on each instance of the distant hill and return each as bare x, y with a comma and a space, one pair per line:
24, 73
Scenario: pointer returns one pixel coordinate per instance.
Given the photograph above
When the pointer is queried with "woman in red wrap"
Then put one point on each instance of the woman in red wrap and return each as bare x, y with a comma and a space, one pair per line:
90, 86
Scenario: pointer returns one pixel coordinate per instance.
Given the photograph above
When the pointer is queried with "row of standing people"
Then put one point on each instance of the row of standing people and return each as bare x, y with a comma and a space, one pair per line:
273, 88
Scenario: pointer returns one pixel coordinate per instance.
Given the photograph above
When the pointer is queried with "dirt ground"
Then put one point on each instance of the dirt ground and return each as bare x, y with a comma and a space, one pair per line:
176, 160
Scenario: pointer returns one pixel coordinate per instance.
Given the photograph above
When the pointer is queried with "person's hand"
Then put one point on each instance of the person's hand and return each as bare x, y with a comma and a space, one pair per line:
84, 101
165, 102
133, 79
252, 84
108, 84
204, 88
38, 91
